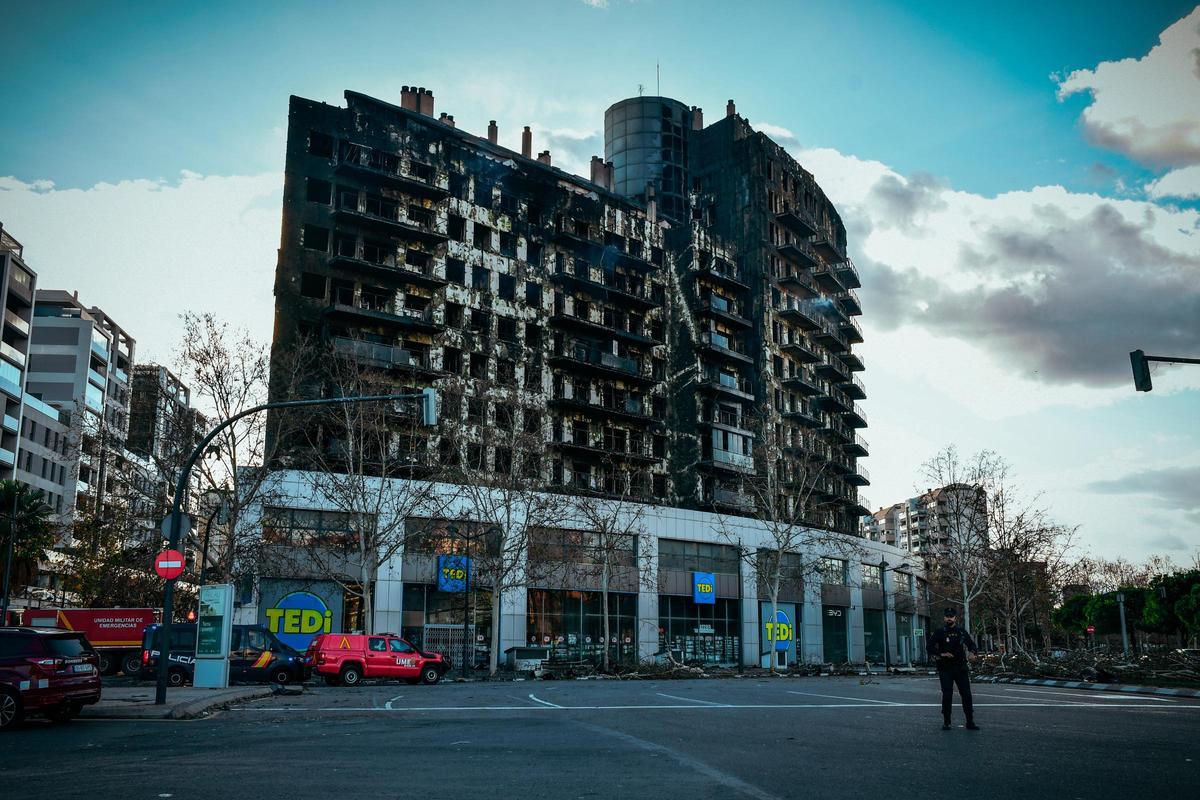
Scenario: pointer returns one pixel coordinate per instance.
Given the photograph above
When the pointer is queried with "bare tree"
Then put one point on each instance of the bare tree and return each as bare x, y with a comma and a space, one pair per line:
371, 463
501, 483
790, 495
615, 531
959, 553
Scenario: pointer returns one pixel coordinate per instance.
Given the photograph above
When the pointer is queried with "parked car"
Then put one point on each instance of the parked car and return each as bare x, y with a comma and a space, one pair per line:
50, 673
115, 633
344, 659
255, 656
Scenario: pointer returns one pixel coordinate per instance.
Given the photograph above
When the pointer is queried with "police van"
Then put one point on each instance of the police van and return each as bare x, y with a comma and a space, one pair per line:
255, 656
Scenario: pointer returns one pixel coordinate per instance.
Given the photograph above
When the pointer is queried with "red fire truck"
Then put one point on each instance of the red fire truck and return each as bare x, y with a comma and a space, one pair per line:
116, 633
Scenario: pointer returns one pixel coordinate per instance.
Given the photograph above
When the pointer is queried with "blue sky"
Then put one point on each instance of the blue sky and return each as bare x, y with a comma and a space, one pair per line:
1021, 183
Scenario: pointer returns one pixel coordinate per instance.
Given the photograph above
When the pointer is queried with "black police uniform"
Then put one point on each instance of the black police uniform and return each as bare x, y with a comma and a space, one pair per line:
953, 671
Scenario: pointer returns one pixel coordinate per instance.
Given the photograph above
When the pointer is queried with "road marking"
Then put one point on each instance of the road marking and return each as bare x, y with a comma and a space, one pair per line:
1038, 700
388, 704
688, 699
839, 697
728, 706
543, 702
1097, 695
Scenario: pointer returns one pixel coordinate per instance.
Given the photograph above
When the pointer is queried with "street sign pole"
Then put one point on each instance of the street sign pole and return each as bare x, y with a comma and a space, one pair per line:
428, 417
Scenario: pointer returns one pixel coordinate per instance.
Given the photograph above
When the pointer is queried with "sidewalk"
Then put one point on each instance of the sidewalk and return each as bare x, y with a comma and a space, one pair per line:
137, 702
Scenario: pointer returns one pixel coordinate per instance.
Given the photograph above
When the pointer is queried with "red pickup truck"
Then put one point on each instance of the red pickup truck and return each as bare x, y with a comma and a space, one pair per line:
344, 659
115, 633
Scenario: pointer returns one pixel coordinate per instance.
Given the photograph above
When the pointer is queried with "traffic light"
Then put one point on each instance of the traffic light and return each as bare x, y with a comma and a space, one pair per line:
429, 407
1141, 371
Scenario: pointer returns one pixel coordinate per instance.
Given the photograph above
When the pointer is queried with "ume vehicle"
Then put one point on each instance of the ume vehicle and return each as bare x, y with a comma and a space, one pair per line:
344, 659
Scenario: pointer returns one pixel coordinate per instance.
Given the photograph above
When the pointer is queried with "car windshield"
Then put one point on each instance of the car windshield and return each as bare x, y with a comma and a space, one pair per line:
67, 646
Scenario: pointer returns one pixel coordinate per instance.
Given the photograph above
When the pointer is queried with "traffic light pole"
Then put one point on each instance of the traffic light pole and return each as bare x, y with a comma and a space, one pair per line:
429, 417
1141, 367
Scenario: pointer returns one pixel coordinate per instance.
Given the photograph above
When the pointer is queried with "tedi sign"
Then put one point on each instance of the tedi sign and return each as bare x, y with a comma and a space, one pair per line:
298, 617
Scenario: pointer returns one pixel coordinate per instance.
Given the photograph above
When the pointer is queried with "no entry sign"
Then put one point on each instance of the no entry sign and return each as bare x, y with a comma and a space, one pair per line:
169, 564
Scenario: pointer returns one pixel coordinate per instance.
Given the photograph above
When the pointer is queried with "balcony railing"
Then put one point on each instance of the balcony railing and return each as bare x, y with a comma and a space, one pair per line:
12, 319
737, 460
12, 353
733, 499
579, 351
381, 354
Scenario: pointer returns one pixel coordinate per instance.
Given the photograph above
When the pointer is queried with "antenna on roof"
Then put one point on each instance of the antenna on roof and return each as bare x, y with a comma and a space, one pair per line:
639, 90
657, 78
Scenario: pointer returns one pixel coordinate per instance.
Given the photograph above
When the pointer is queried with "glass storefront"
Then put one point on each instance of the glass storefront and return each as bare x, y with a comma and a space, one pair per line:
873, 639
905, 647
433, 620
571, 624
834, 634
700, 633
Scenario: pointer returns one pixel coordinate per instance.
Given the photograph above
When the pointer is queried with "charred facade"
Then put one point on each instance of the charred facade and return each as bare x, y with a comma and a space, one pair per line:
646, 348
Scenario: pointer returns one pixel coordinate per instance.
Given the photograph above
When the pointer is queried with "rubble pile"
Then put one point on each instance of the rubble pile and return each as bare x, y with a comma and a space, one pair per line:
1169, 668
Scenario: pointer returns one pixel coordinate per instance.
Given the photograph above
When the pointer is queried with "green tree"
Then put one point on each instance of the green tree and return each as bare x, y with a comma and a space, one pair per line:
29, 538
1166, 591
1187, 610
1071, 616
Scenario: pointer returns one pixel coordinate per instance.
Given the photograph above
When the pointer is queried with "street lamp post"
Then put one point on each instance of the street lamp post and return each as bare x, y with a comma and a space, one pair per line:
887, 647
8, 553
429, 417
1124, 632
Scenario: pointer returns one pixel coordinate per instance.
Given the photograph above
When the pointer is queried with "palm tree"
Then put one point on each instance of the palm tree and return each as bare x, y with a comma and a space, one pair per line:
25, 534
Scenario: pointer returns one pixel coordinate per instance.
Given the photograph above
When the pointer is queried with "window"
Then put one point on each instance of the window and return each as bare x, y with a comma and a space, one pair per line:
312, 285
452, 360
479, 365
457, 229
483, 237
376, 645
533, 294
454, 315
300, 526
508, 287
533, 335
476, 409
320, 144
481, 321
316, 238
399, 646
834, 571
506, 372
697, 556
533, 421
871, 576
506, 328
508, 245
481, 279
456, 271
319, 191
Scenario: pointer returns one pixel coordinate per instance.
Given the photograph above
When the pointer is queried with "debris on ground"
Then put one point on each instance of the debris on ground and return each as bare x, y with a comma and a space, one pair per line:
1166, 668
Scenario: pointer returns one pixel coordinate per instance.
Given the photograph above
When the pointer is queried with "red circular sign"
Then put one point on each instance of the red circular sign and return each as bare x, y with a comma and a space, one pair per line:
1091, 628
169, 564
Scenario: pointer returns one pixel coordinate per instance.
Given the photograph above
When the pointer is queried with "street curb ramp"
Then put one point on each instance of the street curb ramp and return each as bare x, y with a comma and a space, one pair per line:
204, 705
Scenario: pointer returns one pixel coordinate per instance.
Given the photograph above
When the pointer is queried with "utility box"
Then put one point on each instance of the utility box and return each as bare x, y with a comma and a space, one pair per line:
526, 659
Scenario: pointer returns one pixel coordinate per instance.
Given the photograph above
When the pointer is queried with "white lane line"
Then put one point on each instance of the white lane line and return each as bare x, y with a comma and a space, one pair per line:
388, 704
546, 703
551, 707
839, 697
1038, 700
1097, 695
689, 699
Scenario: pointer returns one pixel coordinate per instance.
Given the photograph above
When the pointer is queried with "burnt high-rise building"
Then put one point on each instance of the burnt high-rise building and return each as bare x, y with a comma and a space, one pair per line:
651, 322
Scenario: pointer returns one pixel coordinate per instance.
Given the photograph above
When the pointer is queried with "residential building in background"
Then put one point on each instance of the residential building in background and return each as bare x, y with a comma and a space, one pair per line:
18, 283
80, 362
922, 525
647, 321
163, 430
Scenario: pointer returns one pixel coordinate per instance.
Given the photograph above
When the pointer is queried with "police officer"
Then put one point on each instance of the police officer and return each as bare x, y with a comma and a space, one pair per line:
948, 647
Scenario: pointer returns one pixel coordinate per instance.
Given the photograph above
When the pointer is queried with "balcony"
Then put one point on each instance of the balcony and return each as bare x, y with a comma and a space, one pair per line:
725, 274
721, 345
859, 476
804, 382
798, 349
826, 278
799, 282
579, 445
7, 457
11, 424
804, 314
853, 360
856, 417
610, 289
724, 383
730, 421
829, 336
382, 355
12, 354
733, 500
96, 378
799, 253
562, 319
381, 167
723, 309
850, 302
861, 504
15, 322
851, 330
392, 226
805, 416
857, 447
836, 401
832, 368
854, 388
413, 274
848, 275
796, 220
827, 249
582, 356
380, 314
726, 459
838, 431
628, 409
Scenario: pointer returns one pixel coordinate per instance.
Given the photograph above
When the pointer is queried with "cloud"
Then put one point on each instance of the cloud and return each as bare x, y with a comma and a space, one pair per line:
1146, 108
1169, 541
1176, 488
147, 250
1182, 183
570, 149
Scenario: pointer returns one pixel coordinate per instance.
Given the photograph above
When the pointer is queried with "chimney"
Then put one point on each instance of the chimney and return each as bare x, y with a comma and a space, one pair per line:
544, 157
598, 171
447, 119
651, 204
730, 108
527, 142
697, 118
408, 98
493, 131
425, 96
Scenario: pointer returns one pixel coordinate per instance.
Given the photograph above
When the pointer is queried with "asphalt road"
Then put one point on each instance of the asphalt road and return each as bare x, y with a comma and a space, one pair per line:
750, 738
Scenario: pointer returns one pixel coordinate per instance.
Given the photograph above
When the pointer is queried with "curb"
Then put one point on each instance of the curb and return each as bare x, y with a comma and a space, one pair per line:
1095, 687
184, 710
